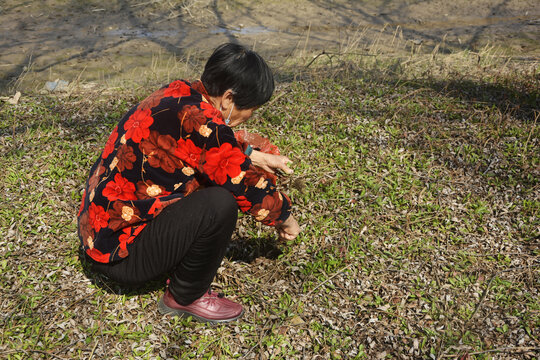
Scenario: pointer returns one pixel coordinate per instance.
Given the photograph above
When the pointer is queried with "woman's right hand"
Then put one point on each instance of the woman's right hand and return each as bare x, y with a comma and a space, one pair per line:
289, 229
270, 162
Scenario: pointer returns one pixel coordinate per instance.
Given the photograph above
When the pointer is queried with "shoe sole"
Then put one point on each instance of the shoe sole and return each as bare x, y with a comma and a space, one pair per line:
165, 310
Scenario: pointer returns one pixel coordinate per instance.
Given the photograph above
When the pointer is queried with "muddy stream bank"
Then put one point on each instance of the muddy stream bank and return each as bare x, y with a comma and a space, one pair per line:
111, 41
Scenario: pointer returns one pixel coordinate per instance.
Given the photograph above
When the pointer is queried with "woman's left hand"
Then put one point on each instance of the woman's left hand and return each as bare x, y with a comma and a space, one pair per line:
289, 229
271, 162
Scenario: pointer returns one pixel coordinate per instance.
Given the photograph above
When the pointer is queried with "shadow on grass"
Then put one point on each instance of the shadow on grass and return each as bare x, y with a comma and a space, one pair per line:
248, 249
516, 93
520, 99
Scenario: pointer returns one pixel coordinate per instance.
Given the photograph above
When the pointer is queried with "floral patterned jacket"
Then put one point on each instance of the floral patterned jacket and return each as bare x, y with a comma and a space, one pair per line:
160, 152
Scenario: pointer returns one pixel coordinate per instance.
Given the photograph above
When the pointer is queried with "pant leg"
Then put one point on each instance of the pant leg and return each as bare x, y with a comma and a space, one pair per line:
188, 240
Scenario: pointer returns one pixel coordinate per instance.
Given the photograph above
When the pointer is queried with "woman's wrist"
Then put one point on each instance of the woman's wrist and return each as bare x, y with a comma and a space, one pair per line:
287, 221
257, 157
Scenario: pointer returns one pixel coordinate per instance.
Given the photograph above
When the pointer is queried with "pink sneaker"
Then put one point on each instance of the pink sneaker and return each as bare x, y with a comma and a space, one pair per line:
211, 307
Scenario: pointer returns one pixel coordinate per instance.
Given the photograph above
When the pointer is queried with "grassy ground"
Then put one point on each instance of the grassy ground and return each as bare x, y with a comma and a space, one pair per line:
417, 184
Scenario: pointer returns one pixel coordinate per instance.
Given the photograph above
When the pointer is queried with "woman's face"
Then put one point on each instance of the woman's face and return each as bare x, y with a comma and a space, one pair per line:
239, 116
225, 103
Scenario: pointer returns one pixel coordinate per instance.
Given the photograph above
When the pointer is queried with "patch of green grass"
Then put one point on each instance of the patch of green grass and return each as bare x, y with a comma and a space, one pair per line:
418, 196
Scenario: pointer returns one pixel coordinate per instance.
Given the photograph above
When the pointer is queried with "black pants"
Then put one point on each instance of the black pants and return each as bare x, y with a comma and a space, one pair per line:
187, 240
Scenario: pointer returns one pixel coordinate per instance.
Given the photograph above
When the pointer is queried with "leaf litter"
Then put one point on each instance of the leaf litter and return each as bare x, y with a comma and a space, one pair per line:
419, 200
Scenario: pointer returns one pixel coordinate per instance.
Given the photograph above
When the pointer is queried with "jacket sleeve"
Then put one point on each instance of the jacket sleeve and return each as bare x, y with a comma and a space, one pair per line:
223, 163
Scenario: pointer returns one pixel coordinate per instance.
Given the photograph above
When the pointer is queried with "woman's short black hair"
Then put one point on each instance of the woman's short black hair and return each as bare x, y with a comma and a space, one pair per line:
232, 66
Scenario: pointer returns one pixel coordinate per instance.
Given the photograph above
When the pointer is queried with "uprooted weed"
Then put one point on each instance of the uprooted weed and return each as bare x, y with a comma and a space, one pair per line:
417, 192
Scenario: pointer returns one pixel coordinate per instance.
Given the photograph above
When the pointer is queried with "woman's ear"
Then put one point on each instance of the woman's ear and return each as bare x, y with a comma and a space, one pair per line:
227, 100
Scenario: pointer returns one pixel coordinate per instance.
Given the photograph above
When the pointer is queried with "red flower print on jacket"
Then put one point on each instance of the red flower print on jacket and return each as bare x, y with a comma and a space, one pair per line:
81, 207
269, 208
123, 239
137, 126
177, 89
187, 151
191, 187
160, 150
98, 218
98, 255
256, 141
148, 190
119, 189
94, 179
153, 100
109, 145
126, 157
255, 176
243, 203
222, 162
191, 118
211, 112
199, 87
158, 206
122, 215
127, 237
85, 230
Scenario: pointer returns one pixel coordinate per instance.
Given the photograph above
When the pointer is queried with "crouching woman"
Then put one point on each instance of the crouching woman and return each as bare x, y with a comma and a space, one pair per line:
163, 196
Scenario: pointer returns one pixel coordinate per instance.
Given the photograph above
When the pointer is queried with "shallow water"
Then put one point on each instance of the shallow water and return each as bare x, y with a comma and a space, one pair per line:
250, 30
143, 33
